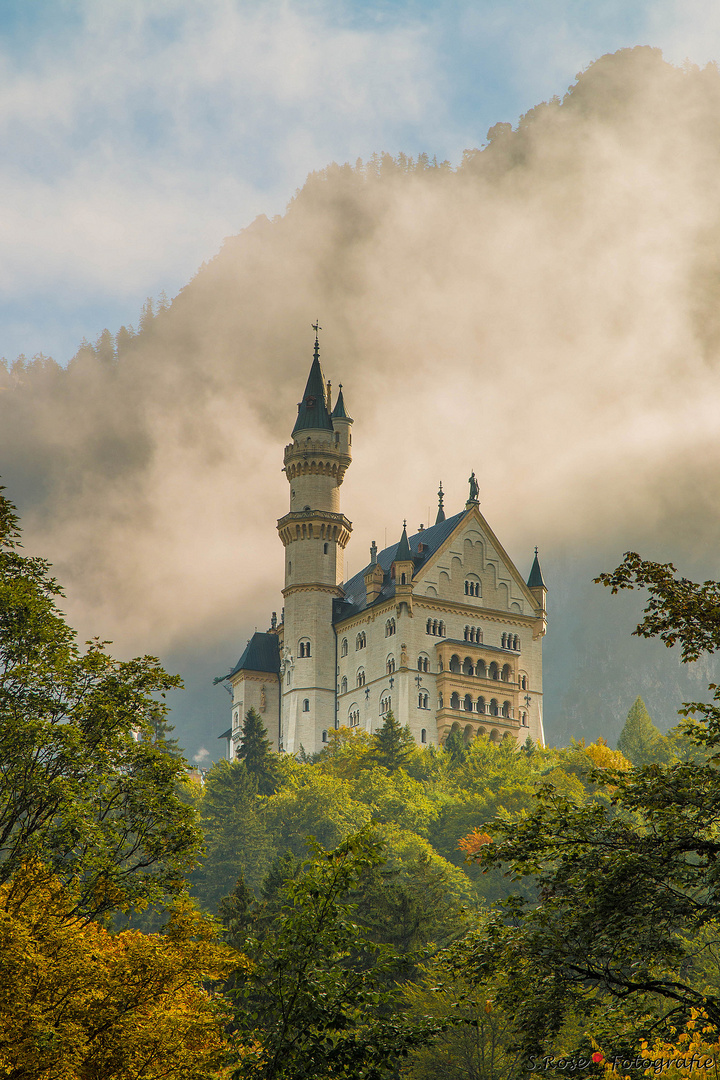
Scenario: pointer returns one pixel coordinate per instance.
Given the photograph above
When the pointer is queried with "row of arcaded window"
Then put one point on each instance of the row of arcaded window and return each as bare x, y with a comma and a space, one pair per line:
511, 641
493, 708
389, 628
480, 669
423, 663
423, 701
474, 633
437, 629
472, 588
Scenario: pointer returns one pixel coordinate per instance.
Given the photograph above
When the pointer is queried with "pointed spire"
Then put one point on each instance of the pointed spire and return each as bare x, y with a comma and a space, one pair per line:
312, 410
441, 512
535, 580
403, 553
339, 410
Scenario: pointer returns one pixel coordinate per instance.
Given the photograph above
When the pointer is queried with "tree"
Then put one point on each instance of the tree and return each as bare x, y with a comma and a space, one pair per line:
640, 741
255, 750
392, 745
80, 1003
621, 929
317, 999
162, 738
237, 843
78, 790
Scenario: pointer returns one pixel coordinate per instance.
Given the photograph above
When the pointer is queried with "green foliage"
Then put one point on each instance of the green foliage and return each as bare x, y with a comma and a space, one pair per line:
640, 741
619, 930
237, 842
319, 999
255, 750
392, 745
78, 790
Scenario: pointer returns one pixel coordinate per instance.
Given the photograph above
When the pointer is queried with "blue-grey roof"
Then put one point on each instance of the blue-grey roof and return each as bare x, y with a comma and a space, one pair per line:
354, 589
338, 412
312, 410
262, 653
536, 579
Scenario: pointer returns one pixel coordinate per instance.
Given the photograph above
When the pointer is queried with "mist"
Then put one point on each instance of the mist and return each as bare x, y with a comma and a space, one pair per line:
545, 313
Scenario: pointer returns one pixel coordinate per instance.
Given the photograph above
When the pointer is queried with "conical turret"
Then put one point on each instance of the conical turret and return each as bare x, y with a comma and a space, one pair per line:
313, 413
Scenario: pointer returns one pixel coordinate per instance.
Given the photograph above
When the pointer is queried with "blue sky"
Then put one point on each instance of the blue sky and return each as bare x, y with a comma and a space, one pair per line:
137, 134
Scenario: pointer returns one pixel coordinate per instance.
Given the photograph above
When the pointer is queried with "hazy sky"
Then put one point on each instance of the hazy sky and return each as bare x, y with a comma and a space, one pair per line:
137, 134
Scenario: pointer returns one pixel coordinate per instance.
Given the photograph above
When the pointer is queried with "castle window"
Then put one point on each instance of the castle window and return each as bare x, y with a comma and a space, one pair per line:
360, 641
481, 670
304, 647
441, 629
423, 663
360, 677
523, 719
236, 719
390, 665
440, 701
503, 643
467, 703
468, 666
481, 705
506, 673
325, 549
389, 628
455, 664
455, 701
494, 711
290, 567
523, 682
343, 685
324, 736
402, 580
344, 647
306, 705
385, 704
423, 736
353, 716
493, 671
516, 644
506, 709
472, 588
422, 700
428, 627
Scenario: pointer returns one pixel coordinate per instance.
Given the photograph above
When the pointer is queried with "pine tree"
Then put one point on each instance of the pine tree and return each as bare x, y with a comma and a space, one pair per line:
256, 752
162, 739
392, 745
105, 347
640, 741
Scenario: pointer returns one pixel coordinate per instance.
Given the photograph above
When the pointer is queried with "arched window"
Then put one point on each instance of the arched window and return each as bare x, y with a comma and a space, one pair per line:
467, 629
325, 549
353, 716
467, 703
428, 627
494, 711
236, 719
304, 647
360, 641
289, 568
440, 701
360, 677
472, 588
467, 666
343, 685
523, 719
324, 736
481, 705
385, 703
389, 628
455, 664
423, 736
390, 665
481, 670
523, 682
423, 663
506, 673
507, 709
455, 701
344, 647
503, 643
441, 629
494, 671
516, 643
306, 705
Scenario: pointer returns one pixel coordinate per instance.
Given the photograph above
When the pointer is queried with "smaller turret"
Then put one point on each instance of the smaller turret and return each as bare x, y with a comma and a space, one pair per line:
402, 571
538, 588
373, 576
342, 424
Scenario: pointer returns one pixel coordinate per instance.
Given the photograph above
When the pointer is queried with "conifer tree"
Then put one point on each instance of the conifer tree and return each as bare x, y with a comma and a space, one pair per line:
392, 745
640, 741
256, 752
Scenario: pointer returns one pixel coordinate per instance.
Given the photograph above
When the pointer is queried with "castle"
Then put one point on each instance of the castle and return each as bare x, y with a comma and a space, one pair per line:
440, 627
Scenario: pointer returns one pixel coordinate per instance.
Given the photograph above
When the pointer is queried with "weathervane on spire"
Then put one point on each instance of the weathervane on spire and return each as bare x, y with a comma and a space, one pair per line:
441, 510
316, 326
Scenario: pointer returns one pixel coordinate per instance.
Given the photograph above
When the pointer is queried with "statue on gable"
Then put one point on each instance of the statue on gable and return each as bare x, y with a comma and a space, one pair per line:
474, 488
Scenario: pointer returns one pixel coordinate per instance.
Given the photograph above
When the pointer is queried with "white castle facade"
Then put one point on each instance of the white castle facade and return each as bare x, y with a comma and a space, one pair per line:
440, 627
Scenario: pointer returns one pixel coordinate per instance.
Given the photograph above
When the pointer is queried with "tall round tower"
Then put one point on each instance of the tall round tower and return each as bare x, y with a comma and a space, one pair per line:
314, 535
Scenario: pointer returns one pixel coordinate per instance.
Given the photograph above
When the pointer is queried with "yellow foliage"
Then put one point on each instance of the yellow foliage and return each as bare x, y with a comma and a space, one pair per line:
604, 758
80, 1003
